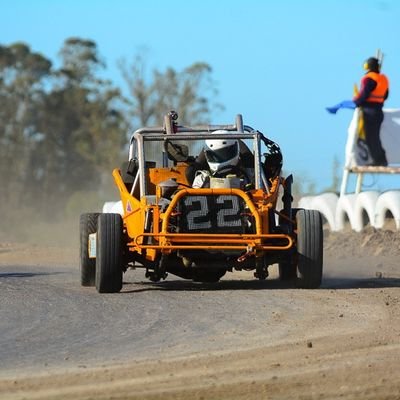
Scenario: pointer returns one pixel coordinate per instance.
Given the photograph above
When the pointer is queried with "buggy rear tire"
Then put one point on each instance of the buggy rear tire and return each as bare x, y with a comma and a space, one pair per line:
109, 253
87, 225
309, 249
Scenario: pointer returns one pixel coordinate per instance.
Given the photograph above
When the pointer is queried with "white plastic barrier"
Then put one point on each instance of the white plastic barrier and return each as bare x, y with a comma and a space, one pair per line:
388, 201
325, 203
107, 206
365, 205
305, 202
345, 211
354, 208
113, 207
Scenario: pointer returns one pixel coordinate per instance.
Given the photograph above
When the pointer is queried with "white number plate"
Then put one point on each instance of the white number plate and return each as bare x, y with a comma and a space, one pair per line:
92, 245
204, 213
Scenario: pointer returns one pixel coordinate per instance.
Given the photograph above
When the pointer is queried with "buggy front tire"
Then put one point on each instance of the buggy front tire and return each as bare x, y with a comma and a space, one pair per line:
87, 225
109, 253
287, 269
309, 249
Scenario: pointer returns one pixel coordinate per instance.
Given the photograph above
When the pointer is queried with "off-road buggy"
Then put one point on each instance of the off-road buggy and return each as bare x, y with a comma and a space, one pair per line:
165, 225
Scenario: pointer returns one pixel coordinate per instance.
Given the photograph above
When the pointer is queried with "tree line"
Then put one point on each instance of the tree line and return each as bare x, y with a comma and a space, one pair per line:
63, 129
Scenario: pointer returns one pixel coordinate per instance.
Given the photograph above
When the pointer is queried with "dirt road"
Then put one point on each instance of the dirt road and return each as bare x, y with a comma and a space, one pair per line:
239, 339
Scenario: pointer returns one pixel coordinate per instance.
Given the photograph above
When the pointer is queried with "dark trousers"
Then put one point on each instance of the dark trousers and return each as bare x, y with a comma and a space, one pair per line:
373, 118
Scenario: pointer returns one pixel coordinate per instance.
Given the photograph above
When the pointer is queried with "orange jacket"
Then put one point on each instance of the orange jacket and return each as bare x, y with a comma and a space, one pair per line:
382, 86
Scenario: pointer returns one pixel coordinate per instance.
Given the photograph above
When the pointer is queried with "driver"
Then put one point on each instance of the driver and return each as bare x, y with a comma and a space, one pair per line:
220, 157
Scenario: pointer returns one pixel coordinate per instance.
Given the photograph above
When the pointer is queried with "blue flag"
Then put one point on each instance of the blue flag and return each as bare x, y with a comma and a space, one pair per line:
344, 104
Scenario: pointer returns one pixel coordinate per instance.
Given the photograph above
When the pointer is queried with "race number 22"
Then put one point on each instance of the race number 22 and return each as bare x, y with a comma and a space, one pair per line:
205, 212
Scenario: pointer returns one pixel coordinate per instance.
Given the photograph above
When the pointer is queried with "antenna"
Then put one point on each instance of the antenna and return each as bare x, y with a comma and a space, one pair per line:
379, 56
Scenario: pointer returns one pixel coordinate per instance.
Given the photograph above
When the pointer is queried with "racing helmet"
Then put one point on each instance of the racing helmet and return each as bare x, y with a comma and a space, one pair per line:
221, 152
372, 64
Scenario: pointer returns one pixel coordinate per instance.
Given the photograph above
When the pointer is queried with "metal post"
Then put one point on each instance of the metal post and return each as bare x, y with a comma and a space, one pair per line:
239, 123
345, 178
168, 125
360, 176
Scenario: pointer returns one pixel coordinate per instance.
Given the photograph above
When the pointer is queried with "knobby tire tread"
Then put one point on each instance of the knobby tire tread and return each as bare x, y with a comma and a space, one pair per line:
87, 225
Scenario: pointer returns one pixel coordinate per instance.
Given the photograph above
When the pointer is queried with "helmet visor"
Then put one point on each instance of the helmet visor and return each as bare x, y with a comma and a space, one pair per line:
222, 155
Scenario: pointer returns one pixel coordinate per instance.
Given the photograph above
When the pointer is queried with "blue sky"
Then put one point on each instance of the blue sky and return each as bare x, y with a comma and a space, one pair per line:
279, 63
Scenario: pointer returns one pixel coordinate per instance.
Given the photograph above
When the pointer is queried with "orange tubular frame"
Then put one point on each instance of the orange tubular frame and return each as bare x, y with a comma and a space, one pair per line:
238, 242
167, 242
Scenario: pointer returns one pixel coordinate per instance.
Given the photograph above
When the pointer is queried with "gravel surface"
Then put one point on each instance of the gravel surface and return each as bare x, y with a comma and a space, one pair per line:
238, 339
